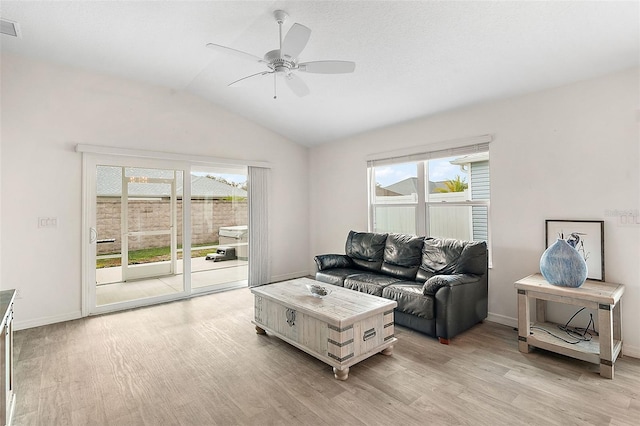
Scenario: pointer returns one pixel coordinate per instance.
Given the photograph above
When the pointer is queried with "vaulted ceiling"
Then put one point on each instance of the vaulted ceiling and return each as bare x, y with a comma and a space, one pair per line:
413, 58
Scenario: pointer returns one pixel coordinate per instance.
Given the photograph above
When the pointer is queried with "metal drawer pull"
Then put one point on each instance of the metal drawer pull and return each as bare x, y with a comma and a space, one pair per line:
291, 317
369, 334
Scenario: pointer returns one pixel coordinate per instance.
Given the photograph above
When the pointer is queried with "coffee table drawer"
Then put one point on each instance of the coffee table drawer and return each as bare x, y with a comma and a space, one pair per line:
362, 337
292, 324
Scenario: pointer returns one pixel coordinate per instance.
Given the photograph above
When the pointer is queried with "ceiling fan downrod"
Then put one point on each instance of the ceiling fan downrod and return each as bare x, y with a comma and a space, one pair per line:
281, 17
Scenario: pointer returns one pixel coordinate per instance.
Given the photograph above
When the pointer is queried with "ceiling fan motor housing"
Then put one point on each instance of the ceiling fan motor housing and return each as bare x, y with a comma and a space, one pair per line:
279, 64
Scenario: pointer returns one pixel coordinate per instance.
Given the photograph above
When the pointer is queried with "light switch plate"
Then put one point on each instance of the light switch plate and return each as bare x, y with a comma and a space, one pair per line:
47, 222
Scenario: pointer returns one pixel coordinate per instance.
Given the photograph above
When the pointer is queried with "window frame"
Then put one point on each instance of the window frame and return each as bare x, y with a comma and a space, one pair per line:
423, 205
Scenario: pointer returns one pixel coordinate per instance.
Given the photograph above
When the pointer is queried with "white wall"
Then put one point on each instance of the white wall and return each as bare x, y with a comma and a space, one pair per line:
47, 109
1, 286
566, 153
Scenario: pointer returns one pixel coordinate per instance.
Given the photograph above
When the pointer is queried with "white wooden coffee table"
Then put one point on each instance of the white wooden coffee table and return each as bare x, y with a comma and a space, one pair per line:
340, 329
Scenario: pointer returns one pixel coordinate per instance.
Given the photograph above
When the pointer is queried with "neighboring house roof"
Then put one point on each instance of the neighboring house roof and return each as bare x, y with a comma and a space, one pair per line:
202, 186
409, 186
109, 184
384, 192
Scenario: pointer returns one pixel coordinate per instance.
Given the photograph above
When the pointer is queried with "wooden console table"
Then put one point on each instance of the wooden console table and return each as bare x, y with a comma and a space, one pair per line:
601, 296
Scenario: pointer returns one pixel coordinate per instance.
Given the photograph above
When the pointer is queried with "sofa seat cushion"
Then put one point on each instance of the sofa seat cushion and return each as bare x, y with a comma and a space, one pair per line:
336, 276
369, 283
410, 299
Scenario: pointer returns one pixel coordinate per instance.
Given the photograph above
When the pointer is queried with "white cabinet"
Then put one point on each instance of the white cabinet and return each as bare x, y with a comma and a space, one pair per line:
7, 397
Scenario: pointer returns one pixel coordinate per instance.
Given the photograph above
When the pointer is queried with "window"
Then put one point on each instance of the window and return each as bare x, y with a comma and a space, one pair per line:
395, 198
439, 194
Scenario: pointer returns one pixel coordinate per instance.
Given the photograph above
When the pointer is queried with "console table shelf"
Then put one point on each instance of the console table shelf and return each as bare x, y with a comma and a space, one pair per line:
585, 350
601, 296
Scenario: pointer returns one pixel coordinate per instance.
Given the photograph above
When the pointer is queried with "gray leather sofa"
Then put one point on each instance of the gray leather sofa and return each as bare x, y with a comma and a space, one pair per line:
440, 284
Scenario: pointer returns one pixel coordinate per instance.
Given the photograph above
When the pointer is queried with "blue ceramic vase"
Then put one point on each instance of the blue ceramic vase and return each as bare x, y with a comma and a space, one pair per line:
562, 265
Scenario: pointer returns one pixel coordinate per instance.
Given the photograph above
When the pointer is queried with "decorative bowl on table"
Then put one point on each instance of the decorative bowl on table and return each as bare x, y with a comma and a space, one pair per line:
317, 290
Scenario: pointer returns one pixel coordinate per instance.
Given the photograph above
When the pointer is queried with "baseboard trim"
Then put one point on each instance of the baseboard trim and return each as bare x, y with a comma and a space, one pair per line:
630, 351
290, 276
502, 319
37, 322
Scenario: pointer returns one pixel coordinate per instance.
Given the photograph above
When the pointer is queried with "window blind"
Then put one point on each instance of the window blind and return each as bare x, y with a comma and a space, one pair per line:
458, 147
258, 189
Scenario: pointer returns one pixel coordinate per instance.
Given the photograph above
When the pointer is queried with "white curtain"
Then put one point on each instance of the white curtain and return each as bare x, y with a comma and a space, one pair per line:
258, 188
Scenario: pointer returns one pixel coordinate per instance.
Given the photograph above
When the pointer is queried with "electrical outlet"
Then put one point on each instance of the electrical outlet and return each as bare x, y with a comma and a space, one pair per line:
47, 222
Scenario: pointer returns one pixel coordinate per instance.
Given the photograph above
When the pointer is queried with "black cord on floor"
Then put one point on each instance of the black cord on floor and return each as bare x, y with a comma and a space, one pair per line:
578, 333
534, 327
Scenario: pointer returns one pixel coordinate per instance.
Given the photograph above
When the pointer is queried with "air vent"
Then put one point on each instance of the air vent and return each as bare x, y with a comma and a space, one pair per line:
9, 28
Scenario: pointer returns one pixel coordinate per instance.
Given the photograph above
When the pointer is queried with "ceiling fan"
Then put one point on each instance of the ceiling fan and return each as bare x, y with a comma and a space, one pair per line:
283, 62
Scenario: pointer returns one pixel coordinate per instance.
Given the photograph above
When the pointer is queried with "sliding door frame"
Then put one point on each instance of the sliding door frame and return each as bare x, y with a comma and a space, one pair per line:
89, 234
94, 155
159, 268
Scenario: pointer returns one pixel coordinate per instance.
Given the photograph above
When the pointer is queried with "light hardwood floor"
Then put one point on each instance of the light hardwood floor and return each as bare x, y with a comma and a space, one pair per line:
200, 362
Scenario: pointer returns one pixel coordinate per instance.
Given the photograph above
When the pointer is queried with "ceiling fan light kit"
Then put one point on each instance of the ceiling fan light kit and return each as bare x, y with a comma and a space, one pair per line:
284, 62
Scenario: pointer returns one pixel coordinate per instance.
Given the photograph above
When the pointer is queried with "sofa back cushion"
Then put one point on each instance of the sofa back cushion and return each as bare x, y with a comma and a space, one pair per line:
474, 259
402, 256
446, 256
366, 249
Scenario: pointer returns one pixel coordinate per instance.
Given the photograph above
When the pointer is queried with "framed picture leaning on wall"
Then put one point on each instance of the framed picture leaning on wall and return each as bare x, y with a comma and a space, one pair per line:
591, 245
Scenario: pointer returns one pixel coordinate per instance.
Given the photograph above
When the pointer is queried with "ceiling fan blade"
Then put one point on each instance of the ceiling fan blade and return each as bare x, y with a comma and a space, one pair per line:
249, 76
296, 85
295, 41
328, 67
235, 52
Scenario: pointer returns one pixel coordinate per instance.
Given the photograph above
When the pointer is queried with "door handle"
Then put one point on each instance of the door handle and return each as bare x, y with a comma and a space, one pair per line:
93, 235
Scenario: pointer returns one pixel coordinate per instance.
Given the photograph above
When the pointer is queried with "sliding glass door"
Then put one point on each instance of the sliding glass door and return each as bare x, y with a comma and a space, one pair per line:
137, 234
219, 227
161, 230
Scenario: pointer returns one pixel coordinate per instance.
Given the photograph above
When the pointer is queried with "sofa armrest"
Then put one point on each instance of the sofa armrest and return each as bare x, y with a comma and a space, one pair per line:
332, 261
461, 302
435, 283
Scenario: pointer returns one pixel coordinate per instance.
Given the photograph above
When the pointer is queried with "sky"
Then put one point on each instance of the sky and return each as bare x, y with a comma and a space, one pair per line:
439, 170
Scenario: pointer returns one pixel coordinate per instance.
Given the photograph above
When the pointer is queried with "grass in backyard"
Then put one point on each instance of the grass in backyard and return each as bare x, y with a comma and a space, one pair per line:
150, 255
